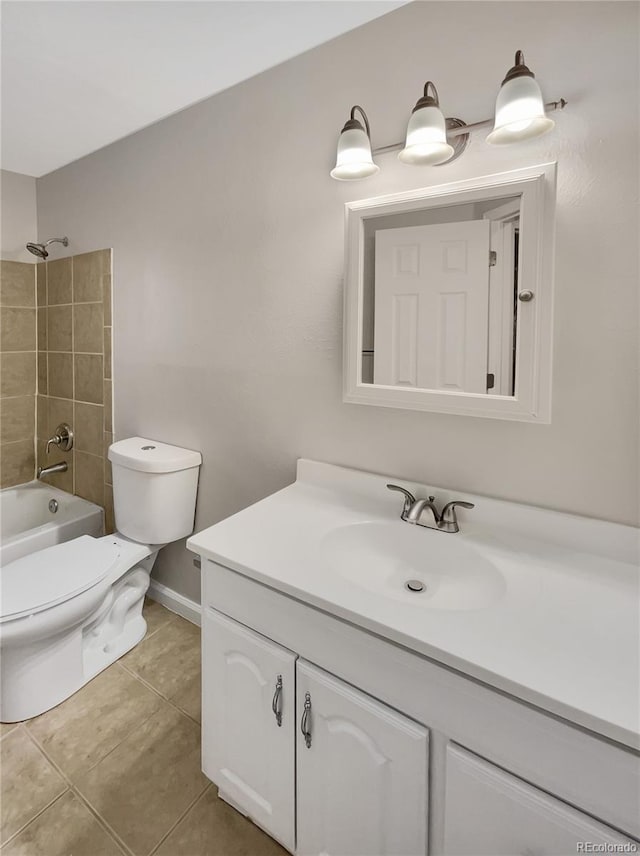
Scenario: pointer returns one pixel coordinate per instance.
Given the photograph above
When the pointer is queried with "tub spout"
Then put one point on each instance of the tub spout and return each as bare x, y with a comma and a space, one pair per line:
54, 468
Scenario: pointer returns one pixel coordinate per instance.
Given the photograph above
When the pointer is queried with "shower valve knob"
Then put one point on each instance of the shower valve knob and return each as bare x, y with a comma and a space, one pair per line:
63, 438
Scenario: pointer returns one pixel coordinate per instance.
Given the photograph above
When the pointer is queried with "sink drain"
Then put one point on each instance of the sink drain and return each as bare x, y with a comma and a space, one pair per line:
414, 586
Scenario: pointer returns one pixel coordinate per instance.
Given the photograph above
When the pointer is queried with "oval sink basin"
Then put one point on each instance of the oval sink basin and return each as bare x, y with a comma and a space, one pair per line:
418, 566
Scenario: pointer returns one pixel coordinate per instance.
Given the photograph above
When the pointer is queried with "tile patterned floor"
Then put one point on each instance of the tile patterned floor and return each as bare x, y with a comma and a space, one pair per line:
115, 769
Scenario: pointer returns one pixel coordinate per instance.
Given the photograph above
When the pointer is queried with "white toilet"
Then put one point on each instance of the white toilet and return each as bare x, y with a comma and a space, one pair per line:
67, 612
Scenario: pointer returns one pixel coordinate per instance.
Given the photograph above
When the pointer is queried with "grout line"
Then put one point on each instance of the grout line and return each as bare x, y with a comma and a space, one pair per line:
35, 817
138, 724
165, 698
71, 786
23, 395
64, 778
181, 818
11, 730
103, 823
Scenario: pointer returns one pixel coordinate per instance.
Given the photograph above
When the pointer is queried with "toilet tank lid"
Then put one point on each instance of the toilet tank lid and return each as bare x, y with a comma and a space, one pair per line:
150, 456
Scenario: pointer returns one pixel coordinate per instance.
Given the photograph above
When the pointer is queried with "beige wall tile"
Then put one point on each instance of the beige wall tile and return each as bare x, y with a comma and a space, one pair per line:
41, 323
106, 288
60, 375
109, 516
136, 808
89, 477
108, 440
42, 417
70, 373
28, 784
17, 284
108, 405
88, 271
59, 281
60, 410
88, 328
17, 373
88, 378
17, 463
17, 419
59, 328
41, 284
17, 329
43, 373
107, 352
66, 827
87, 423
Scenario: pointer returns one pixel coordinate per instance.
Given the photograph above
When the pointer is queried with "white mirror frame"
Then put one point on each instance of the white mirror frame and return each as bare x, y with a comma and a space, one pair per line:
534, 331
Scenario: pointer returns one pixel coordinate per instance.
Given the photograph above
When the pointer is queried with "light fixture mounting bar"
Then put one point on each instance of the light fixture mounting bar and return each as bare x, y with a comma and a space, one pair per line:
551, 106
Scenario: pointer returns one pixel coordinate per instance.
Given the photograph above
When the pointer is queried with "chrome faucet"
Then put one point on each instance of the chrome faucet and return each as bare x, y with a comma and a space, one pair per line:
412, 510
62, 467
62, 438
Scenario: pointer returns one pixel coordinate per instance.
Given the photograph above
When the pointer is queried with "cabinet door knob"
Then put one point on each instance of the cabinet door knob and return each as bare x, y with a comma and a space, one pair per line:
275, 704
305, 724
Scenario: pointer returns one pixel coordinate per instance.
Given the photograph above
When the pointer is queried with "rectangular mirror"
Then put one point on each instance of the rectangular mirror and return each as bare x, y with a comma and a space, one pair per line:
448, 297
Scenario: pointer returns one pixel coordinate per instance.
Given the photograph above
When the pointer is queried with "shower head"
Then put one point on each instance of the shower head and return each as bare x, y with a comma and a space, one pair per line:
40, 250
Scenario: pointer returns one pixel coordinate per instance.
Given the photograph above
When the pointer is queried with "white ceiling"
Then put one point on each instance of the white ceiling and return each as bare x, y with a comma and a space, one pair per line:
79, 74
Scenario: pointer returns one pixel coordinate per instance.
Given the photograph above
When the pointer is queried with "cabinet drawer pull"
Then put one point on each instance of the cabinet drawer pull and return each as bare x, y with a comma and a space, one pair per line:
305, 724
275, 704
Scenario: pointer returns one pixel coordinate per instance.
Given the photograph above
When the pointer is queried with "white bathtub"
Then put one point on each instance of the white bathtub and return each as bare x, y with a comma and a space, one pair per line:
27, 524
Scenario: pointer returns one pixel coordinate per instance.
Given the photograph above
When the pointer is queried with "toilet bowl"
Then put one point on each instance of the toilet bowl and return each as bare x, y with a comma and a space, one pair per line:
69, 611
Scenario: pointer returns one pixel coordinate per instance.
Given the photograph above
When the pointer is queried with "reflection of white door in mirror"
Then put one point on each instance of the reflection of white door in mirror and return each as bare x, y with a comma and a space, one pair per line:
432, 305
449, 297
503, 283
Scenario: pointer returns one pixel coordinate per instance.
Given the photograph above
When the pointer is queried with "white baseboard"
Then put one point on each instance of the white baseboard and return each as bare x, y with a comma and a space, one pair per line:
175, 601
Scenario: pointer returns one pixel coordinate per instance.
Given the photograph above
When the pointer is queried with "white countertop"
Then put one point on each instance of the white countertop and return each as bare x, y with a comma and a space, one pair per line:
562, 634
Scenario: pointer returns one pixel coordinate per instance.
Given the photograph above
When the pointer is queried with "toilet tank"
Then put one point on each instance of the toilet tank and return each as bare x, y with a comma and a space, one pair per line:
154, 489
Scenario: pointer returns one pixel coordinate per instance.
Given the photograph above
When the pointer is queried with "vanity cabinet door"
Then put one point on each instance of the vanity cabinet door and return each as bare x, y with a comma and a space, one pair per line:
491, 813
362, 772
248, 721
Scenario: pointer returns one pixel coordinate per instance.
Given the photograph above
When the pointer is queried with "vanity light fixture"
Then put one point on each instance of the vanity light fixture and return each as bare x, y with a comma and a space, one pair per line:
426, 141
433, 139
354, 158
519, 107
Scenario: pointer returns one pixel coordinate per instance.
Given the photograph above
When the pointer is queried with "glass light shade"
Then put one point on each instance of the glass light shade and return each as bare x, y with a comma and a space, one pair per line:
354, 158
519, 112
426, 141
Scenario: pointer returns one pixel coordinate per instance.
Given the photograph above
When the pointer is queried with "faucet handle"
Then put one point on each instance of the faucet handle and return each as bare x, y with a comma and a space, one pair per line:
53, 441
409, 498
63, 438
448, 516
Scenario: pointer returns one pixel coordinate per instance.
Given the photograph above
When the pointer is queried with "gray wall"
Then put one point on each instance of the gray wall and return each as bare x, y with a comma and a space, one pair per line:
227, 234
17, 216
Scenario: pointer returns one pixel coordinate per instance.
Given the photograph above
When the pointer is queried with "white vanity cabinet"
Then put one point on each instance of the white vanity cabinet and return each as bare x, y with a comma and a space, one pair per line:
248, 703
362, 769
488, 812
405, 756
361, 772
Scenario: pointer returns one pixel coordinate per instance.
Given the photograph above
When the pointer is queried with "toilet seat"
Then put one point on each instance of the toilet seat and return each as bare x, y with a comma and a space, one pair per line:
41, 580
